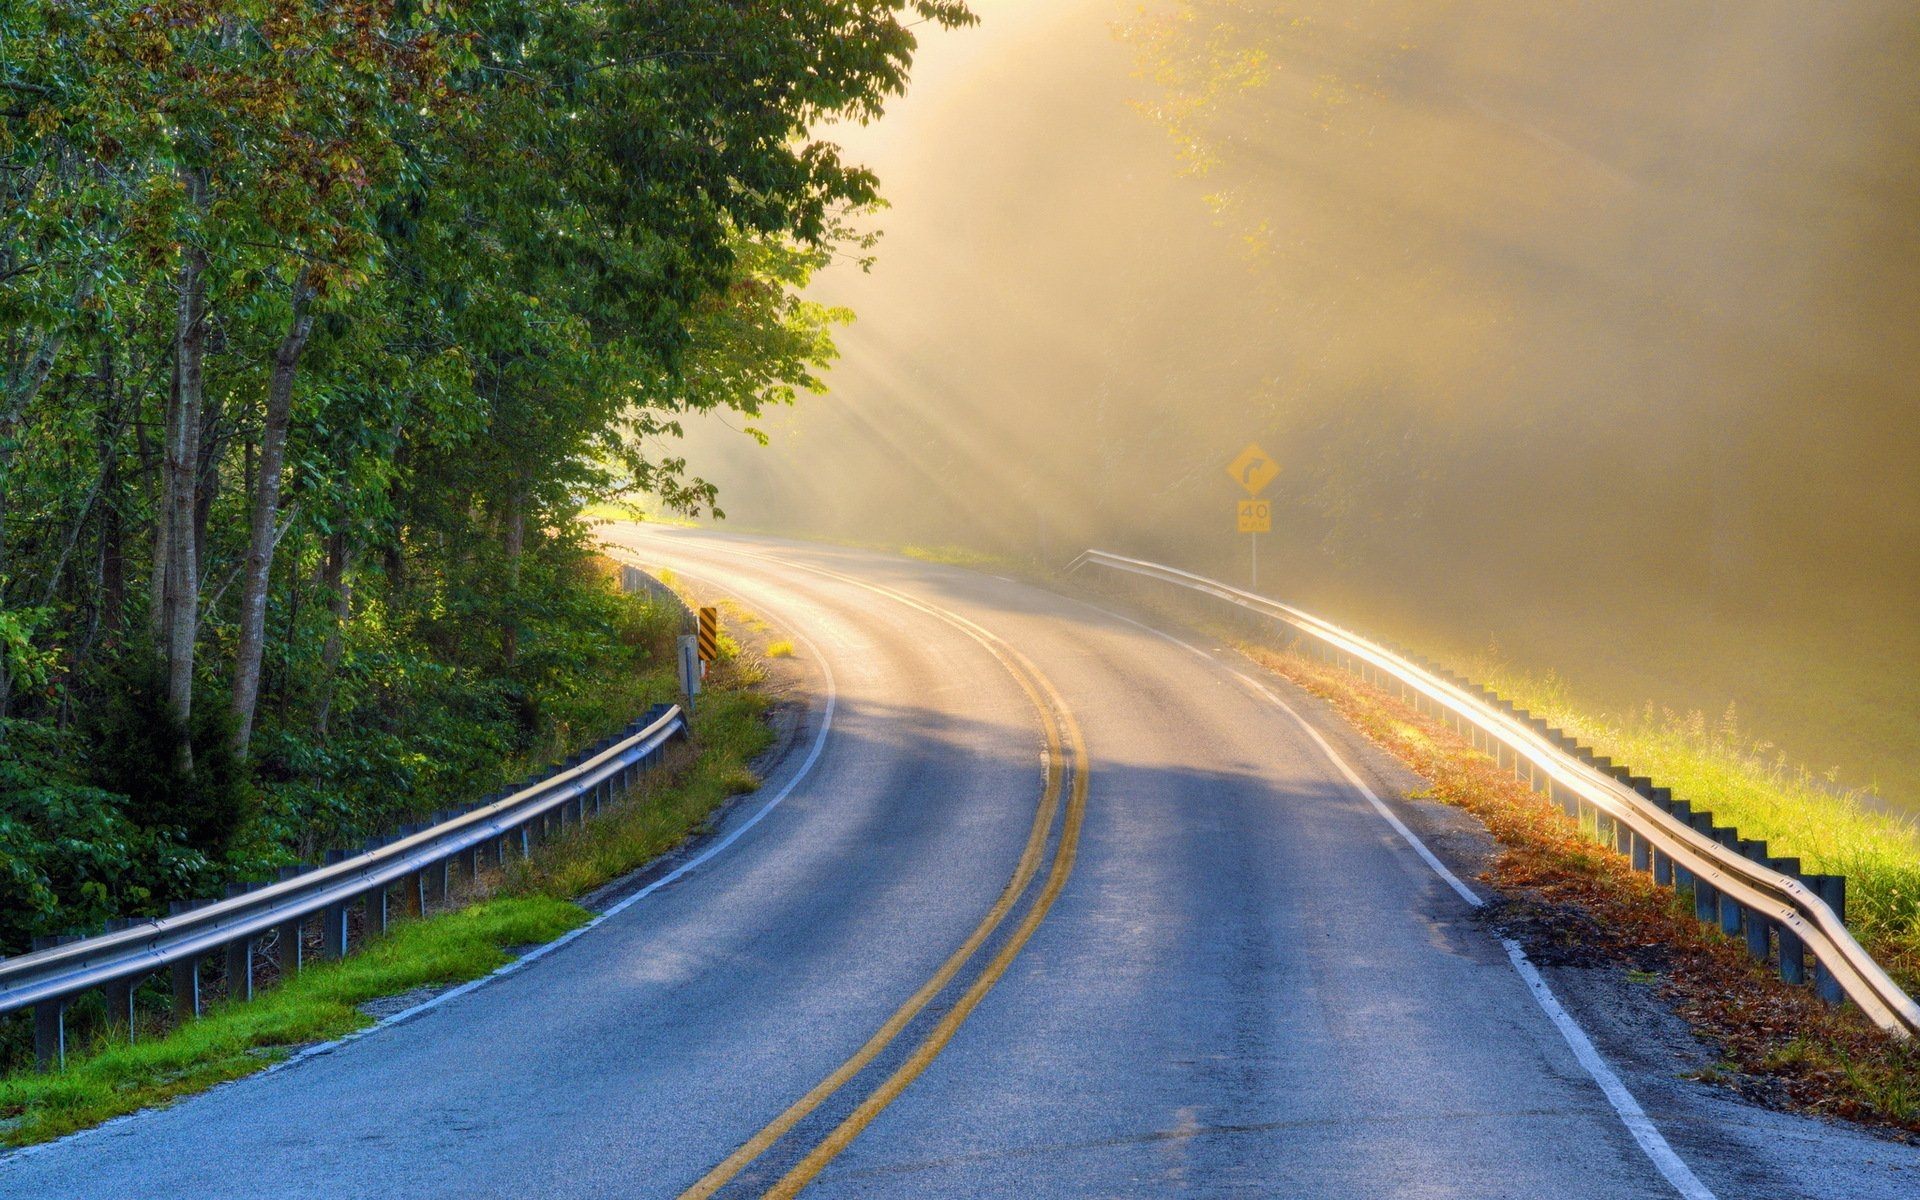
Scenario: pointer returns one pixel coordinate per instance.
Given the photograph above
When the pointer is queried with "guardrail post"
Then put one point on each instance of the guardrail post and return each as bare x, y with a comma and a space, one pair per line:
1731, 910
1602, 823
1706, 901
1793, 951
1570, 800
1683, 812
1759, 929
119, 993
375, 922
1536, 774
442, 871
239, 959
288, 949
1662, 865
49, 1022
186, 976
1637, 845
413, 897
1832, 889
333, 920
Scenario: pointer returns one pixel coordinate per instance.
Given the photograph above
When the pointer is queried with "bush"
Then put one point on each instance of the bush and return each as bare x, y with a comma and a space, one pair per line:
69, 854
132, 734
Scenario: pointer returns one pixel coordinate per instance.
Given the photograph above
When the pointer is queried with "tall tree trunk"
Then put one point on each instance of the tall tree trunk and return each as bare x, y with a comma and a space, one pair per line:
206, 483
111, 571
515, 539
266, 510
176, 603
339, 590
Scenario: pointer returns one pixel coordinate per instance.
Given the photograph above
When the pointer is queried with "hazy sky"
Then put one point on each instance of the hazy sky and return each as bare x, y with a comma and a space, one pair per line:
1586, 329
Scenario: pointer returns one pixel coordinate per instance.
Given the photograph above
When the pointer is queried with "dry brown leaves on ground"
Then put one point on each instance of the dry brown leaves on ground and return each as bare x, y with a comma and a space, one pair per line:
1569, 900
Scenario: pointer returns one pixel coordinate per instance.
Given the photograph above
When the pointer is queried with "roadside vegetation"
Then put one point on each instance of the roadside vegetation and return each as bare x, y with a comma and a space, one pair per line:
1747, 782
112, 1077
946, 554
1562, 892
1717, 766
730, 730
1780, 1045
319, 326
528, 902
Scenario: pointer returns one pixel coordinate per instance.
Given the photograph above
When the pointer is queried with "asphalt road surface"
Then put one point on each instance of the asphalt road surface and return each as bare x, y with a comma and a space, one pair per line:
1038, 902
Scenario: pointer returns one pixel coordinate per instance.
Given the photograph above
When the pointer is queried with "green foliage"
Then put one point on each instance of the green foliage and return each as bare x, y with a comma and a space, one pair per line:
1750, 784
238, 1039
107, 1077
69, 854
730, 731
131, 734
467, 266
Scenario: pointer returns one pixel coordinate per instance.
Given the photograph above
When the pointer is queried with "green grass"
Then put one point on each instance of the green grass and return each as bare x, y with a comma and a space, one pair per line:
782, 649
1749, 783
622, 510
733, 610
953, 556
529, 904
238, 1039
729, 728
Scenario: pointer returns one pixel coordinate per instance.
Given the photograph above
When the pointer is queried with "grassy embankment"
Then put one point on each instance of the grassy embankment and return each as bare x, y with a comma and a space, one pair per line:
531, 901
1775, 1042
1748, 783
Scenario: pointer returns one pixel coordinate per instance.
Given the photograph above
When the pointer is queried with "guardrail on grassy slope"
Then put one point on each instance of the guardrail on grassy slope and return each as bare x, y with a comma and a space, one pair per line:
421, 859
1782, 913
634, 582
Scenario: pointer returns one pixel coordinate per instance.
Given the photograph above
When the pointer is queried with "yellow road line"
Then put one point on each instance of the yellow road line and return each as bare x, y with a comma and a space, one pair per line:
923, 1055
1029, 863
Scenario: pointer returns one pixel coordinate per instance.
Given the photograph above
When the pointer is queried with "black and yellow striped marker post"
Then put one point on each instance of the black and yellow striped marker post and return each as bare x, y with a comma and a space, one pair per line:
709, 636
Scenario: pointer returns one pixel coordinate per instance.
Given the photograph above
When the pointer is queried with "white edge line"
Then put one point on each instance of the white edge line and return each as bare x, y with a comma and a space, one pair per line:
1644, 1131
507, 968
1634, 1117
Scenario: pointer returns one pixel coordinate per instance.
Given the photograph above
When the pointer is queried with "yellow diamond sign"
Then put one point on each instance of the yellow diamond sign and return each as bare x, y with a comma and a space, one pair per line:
1253, 469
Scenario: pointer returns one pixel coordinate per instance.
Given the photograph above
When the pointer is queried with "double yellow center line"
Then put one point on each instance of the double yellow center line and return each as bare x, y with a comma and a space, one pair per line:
1066, 769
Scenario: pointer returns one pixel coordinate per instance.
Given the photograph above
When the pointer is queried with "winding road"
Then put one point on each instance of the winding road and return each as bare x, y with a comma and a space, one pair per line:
1039, 901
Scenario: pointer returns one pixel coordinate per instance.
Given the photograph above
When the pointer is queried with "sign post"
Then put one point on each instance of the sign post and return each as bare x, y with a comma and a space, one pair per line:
690, 666
1253, 469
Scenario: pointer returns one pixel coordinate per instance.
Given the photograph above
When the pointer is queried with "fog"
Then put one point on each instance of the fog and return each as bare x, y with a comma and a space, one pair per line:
1587, 331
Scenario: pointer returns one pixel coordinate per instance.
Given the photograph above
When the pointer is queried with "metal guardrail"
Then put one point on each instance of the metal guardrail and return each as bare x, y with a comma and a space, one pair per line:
634, 581
422, 858
1734, 883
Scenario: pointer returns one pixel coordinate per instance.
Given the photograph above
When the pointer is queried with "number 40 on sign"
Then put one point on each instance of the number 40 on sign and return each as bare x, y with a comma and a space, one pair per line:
1253, 469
